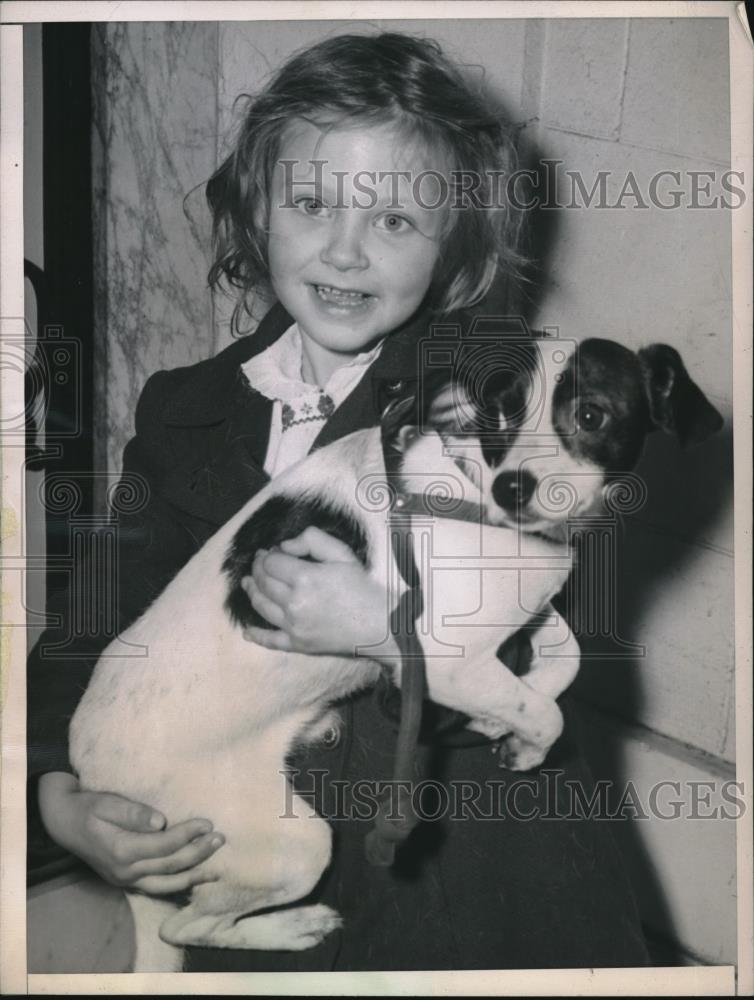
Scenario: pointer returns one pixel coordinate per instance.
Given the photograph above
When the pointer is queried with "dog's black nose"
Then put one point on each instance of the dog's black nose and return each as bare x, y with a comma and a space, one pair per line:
513, 490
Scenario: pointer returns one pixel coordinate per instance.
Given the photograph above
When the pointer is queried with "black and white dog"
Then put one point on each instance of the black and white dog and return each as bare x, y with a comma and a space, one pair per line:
248, 706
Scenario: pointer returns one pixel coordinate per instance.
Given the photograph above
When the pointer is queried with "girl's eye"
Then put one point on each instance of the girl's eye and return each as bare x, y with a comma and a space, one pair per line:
311, 206
393, 223
590, 417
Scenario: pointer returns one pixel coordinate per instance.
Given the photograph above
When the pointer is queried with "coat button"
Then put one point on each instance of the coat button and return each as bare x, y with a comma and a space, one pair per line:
331, 737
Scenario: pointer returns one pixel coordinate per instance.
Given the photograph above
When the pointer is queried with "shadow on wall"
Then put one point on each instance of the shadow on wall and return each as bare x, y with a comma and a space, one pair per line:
524, 295
690, 490
543, 232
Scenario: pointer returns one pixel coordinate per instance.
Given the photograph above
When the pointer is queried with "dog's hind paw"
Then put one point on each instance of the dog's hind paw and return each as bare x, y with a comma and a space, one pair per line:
302, 927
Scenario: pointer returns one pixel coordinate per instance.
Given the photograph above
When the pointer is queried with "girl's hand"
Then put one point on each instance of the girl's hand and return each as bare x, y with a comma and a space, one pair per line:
330, 606
126, 843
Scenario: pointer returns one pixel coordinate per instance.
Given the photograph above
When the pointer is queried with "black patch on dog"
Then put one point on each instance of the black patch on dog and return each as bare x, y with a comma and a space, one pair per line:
604, 375
279, 518
483, 379
510, 384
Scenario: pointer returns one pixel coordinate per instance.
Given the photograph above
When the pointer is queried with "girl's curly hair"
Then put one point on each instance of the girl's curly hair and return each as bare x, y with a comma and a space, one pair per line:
388, 78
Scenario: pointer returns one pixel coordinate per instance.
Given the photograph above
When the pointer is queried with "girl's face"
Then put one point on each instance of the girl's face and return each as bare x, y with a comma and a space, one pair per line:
351, 249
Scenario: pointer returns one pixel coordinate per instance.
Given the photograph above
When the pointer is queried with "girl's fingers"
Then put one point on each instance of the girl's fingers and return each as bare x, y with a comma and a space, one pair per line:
124, 813
268, 609
268, 582
166, 885
268, 638
277, 566
317, 544
187, 857
135, 847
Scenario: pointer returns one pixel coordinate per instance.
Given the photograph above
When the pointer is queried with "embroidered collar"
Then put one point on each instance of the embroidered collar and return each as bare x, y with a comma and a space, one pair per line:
276, 374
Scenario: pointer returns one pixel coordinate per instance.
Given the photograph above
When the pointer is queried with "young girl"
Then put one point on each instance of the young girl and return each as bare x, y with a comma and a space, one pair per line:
348, 197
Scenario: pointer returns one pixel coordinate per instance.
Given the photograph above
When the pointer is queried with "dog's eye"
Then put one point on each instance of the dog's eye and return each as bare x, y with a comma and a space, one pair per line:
590, 417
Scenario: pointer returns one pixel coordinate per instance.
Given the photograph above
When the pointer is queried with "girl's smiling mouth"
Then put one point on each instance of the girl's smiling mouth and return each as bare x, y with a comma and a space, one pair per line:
342, 298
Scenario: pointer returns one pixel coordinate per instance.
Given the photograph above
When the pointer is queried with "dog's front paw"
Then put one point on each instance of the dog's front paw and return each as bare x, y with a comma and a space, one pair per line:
520, 755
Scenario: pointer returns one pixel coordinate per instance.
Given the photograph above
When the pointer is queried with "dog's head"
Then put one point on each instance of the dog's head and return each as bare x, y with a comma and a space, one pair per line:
543, 427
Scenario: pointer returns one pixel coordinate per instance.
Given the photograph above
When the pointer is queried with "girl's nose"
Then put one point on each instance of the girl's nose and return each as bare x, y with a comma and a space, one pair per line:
344, 246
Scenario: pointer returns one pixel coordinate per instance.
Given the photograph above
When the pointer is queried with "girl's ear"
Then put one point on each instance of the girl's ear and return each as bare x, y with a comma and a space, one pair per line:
676, 402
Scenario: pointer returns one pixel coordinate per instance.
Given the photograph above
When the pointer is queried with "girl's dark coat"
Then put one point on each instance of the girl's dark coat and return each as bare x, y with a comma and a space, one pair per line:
467, 892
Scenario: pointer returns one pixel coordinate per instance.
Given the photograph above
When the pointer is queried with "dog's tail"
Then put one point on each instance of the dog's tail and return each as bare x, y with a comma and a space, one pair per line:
152, 953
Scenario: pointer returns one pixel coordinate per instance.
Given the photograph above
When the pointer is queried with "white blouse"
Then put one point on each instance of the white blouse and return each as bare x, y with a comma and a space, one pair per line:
300, 409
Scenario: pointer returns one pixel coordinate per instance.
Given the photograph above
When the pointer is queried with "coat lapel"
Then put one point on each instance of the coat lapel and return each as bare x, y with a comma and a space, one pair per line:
225, 425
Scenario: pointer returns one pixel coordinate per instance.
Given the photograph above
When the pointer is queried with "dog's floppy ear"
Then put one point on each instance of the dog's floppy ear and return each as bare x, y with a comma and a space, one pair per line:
398, 421
399, 413
676, 402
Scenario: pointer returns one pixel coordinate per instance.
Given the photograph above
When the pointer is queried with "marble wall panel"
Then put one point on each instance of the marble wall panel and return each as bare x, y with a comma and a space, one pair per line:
154, 137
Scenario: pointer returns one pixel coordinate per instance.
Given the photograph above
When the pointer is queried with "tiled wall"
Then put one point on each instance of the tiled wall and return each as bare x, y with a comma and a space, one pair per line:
614, 95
